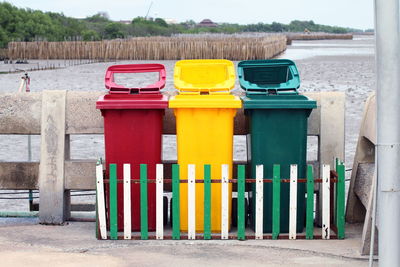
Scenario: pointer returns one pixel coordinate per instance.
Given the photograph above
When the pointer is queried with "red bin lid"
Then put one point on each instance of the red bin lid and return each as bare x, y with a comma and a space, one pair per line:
135, 101
135, 68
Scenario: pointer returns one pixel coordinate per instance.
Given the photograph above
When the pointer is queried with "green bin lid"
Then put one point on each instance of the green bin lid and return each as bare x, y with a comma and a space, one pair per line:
258, 101
274, 76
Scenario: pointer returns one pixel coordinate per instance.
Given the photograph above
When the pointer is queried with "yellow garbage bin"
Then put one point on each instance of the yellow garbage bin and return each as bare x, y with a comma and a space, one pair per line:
204, 110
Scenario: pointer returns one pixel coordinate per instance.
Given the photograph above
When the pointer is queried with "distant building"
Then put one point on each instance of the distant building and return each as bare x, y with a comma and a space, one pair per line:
171, 21
207, 23
125, 21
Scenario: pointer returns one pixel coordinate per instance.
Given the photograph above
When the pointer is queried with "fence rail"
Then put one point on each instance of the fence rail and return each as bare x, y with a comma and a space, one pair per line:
333, 184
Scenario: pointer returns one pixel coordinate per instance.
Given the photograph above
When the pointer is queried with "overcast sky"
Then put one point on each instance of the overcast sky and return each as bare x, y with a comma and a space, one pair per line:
346, 13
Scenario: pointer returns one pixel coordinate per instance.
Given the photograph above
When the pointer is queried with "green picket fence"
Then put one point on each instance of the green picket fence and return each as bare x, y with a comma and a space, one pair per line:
332, 194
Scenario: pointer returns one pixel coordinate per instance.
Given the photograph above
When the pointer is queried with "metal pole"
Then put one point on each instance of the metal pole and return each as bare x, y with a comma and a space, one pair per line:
387, 34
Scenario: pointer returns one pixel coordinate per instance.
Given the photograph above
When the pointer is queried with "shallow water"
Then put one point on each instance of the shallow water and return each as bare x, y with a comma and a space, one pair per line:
308, 49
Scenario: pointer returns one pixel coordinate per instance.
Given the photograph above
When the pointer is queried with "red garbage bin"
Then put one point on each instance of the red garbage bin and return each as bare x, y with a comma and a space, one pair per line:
133, 132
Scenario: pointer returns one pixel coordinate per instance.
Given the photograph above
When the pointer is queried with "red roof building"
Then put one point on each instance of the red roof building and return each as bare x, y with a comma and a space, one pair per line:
207, 23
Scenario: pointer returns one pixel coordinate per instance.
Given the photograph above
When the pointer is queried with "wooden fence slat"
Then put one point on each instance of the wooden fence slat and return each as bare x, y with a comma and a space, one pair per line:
334, 190
276, 201
207, 201
144, 228
325, 201
127, 202
101, 207
259, 201
176, 231
97, 229
240, 203
310, 203
113, 202
293, 202
191, 201
340, 204
101, 220
159, 201
224, 201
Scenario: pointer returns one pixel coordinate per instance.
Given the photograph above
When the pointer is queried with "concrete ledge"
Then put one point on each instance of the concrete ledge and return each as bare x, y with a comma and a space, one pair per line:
19, 175
80, 175
20, 114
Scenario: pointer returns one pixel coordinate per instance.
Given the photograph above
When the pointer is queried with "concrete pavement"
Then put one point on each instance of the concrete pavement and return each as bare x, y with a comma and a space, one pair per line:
24, 242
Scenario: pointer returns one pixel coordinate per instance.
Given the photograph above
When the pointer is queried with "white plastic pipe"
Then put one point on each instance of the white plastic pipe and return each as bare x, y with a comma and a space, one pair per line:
387, 34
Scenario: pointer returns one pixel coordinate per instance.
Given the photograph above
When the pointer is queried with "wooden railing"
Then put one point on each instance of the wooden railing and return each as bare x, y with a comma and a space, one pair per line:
56, 115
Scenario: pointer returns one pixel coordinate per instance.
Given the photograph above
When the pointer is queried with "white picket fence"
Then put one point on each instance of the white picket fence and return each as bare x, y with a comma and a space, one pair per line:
111, 231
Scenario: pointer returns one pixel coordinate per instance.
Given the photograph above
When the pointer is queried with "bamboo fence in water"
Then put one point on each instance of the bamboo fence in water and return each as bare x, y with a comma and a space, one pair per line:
317, 36
231, 47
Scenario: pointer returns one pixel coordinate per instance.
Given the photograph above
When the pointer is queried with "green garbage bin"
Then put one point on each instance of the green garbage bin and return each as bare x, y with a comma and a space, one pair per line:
277, 116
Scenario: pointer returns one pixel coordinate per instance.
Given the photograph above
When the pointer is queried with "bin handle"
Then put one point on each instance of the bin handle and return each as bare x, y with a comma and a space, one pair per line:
240, 73
294, 70
134, 68
246, 85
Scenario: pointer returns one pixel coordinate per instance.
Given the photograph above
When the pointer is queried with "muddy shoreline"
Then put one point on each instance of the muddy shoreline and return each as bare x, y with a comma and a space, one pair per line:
326, 65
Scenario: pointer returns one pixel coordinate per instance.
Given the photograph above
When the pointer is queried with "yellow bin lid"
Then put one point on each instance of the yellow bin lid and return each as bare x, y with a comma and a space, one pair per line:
205, 101
204, 75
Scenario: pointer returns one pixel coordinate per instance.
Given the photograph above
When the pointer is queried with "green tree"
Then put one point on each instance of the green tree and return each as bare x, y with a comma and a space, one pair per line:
3, 37
90, 35
100, 17
160, 22
114, 30
277, 27
21, 24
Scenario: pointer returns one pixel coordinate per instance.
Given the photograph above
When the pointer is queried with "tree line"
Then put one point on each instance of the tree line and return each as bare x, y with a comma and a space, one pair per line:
20, 24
